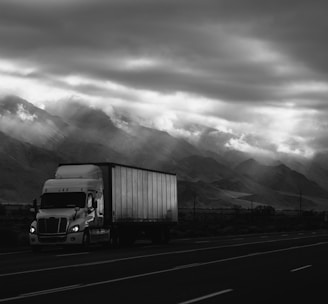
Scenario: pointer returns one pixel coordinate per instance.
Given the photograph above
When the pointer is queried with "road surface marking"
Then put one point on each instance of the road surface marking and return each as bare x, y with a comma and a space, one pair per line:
41, 292
187, 266
52, 290
301, 268
14, 252
79, 286
207, 296
70, 254
158, 254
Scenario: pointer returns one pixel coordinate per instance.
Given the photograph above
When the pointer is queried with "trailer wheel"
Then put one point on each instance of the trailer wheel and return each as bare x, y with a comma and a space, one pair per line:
161, 235
127, 237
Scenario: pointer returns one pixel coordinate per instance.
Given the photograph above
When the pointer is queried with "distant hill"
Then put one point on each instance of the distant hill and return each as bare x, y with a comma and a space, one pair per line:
30, 153
135, 144
34, 141
23, 167
206, 195
280, 178
202, 168
28, 123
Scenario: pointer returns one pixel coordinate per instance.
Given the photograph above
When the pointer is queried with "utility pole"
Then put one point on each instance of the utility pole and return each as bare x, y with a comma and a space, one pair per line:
252, 212
194, 209
300, 201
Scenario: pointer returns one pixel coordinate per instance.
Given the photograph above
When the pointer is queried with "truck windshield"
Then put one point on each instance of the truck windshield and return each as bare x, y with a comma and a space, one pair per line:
63, 200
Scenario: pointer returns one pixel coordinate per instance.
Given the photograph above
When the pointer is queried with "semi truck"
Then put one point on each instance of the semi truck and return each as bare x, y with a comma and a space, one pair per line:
107, 203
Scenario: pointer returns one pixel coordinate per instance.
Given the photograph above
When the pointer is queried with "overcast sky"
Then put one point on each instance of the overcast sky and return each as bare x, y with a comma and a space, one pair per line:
254, 70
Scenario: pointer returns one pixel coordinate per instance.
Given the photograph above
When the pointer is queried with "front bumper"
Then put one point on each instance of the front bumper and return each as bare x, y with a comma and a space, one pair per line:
56, 239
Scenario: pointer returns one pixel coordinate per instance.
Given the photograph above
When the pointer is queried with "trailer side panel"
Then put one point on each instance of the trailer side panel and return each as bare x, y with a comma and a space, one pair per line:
142, 195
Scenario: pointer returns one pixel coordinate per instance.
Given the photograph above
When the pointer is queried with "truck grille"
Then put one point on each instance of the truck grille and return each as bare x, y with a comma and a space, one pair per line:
52, 225
52, 239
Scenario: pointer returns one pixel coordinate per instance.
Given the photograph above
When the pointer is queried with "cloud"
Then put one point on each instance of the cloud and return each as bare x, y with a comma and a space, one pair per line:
255, 68
24, 115
241, 144
28, 123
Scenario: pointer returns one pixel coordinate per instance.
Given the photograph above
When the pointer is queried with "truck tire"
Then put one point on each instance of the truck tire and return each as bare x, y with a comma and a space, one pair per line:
108, 243
86, 240
114, 238
156, 236
36, 248
127, 237
161, 235
165, 235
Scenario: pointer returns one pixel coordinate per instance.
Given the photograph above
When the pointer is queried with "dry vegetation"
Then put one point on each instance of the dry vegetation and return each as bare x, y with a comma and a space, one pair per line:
14, 223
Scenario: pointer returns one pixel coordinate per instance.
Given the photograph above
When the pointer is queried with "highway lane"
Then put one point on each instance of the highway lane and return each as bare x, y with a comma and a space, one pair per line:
26, 261
270, 266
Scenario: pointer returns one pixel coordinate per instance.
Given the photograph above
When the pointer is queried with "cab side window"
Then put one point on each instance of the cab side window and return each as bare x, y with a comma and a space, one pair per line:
89, 201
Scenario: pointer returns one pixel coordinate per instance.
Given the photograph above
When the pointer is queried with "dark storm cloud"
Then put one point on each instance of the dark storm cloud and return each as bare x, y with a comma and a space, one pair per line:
82, 36
243, 55
300, 30
69, 38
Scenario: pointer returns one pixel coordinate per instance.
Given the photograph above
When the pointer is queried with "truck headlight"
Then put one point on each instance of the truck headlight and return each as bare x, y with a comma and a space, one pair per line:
75, 228
32, 230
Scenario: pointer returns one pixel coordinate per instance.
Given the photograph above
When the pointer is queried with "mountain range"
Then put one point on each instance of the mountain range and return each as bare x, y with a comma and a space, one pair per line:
34, 140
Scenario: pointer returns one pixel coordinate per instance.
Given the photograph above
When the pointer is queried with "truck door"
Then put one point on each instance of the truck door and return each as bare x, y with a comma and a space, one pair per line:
99, 198
95, 207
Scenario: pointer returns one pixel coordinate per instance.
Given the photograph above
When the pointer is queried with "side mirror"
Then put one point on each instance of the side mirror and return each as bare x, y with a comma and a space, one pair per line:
34, 208
94, 204
76, 209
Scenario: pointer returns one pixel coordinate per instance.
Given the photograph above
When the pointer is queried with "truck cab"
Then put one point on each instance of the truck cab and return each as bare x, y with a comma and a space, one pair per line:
71, 209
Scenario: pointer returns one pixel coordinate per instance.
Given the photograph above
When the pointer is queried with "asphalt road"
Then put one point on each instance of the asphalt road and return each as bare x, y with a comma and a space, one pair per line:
262, 268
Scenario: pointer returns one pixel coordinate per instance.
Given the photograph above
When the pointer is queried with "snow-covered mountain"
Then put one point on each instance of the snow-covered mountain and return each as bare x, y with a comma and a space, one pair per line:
35, 140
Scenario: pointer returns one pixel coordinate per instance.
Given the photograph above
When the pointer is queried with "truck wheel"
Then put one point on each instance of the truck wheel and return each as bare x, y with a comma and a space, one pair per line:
114, 238
108, 243
165, 235
86, 240
36, 248
156, 236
